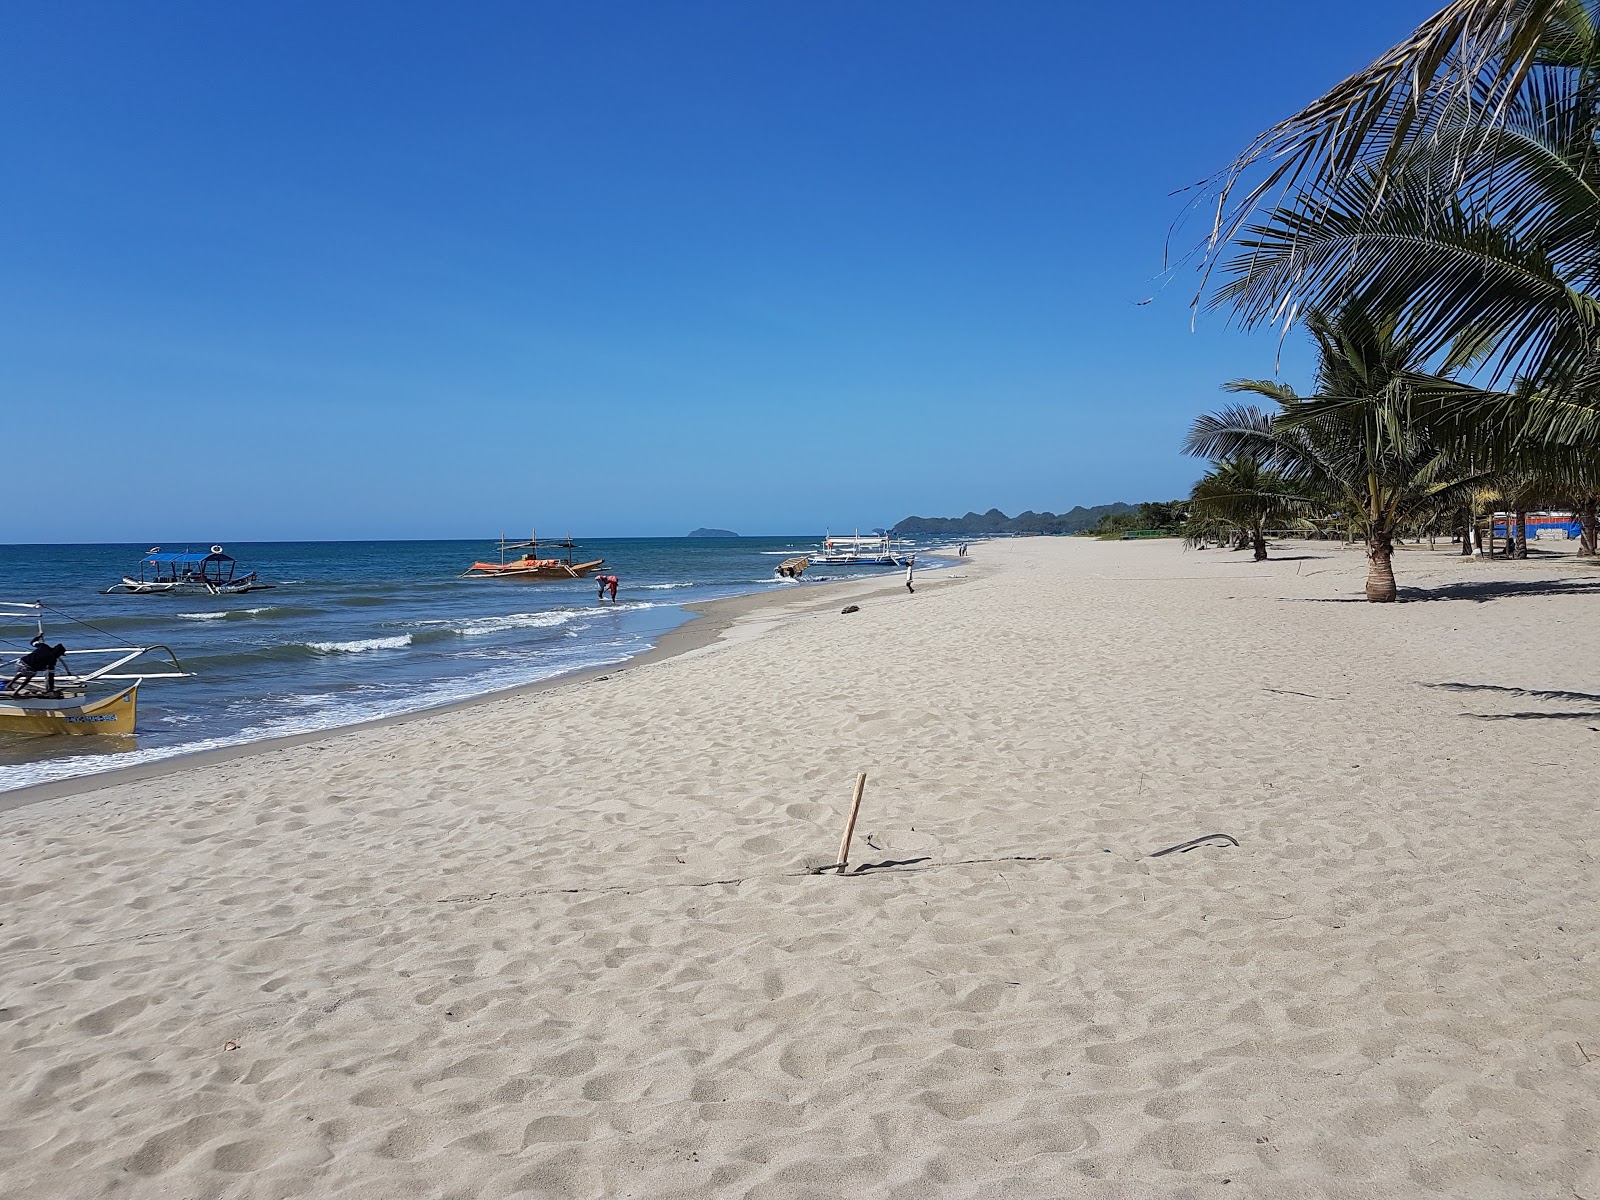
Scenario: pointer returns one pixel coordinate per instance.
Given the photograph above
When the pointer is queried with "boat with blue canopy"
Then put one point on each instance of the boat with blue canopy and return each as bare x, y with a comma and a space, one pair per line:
188, 574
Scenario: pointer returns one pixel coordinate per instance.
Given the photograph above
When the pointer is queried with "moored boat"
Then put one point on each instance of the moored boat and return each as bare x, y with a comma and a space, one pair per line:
68, 713
186, 574
61, 702
877, 550
530, 565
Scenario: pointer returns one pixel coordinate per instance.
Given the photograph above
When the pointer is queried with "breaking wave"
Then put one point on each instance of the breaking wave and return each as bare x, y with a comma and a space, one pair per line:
360, 647
485, 626
265, 612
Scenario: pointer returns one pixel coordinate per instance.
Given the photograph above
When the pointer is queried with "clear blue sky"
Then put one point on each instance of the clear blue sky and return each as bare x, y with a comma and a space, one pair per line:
349, 270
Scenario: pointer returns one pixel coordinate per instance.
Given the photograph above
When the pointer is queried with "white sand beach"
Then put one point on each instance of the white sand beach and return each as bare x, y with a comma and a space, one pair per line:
565, 944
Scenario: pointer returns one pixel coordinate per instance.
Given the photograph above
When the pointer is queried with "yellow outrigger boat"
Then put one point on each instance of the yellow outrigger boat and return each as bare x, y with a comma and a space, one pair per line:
34, 706
530, 565
63, 712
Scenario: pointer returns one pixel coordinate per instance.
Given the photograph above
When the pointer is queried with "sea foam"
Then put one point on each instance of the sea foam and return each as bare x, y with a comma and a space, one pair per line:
360, 647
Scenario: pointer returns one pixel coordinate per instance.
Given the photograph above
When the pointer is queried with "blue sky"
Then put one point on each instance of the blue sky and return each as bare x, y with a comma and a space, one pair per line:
386, 270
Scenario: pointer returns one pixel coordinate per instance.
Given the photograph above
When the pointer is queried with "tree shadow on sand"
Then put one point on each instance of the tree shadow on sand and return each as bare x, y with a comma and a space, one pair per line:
1478, 593
1482, 591
1530, 693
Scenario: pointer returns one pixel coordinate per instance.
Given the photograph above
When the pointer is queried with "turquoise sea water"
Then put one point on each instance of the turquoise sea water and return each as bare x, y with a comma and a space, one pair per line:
353, 631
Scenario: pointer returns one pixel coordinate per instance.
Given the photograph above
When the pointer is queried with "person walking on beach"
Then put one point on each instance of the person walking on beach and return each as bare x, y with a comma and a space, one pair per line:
911, 565
608, 583
41, 657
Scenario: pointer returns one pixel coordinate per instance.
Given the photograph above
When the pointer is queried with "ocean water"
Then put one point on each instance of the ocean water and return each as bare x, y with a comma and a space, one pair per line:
353, 631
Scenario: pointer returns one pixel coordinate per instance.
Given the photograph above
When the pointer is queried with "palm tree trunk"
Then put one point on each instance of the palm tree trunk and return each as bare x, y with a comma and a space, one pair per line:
1467, 522
1380, 567
1522, 534
1586, 526
1260, 540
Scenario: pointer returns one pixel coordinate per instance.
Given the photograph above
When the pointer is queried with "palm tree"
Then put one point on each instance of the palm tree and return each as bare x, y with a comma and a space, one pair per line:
1353, 443
1200, 530
1241, 493
1456, 183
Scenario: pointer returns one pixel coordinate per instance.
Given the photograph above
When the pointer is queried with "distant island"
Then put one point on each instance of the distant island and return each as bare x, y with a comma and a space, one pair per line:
712, 533
996, 522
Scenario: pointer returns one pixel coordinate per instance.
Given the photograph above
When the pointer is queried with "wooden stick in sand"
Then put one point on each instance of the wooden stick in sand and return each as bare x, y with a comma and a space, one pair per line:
850, 825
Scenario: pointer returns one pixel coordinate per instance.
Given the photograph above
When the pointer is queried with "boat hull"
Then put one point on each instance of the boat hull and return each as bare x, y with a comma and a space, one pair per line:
537, 570
861, 560
134, 587
73, 716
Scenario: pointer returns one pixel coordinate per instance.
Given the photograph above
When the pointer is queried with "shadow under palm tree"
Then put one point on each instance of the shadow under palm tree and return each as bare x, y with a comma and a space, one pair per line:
1536, 716
1530, 693
1482, 591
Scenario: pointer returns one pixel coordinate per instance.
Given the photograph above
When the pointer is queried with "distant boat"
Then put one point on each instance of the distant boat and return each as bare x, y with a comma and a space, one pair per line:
34, 707
213, 574
876, 550
530, 565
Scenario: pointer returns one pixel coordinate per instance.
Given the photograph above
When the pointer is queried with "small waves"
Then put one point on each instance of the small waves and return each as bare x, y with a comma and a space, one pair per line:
360, 646
263, 657
488, 626
267, 612
55, 617
481, 626
659, 587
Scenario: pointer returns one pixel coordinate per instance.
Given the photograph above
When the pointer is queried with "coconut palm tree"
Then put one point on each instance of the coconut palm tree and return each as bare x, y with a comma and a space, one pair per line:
1456, 183
1241, 493
1353, 443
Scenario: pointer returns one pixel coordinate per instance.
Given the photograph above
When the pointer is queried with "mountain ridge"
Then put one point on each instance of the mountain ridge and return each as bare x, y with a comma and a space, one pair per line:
993, 522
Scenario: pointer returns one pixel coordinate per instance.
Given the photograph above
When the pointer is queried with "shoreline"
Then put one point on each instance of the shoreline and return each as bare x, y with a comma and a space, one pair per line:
710, 620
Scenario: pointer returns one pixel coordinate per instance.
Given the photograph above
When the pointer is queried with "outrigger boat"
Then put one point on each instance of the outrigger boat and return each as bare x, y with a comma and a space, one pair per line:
34, 707
878, 550
530, 565
186, 574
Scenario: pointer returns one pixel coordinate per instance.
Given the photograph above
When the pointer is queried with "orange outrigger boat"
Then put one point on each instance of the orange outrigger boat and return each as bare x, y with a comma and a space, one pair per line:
530, 565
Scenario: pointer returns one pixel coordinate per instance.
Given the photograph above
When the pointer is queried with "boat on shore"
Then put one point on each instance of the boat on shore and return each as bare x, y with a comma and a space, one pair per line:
186, 574
875, 550
34, 706
530, 565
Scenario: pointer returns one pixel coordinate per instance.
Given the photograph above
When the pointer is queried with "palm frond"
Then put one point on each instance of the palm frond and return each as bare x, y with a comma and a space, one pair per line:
1480, 50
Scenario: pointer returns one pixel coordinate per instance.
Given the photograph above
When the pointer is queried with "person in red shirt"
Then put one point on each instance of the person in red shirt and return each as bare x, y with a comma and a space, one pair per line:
608, 583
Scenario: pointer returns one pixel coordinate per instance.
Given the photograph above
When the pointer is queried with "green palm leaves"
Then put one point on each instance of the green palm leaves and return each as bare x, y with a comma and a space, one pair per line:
1354, 449
1239, 493
1456, 184
1434, 220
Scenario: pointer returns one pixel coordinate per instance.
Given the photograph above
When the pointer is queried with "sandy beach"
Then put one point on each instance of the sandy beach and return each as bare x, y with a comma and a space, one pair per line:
566, 943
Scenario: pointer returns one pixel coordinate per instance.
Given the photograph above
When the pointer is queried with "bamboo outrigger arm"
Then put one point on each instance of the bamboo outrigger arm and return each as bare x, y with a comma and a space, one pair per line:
129, 653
